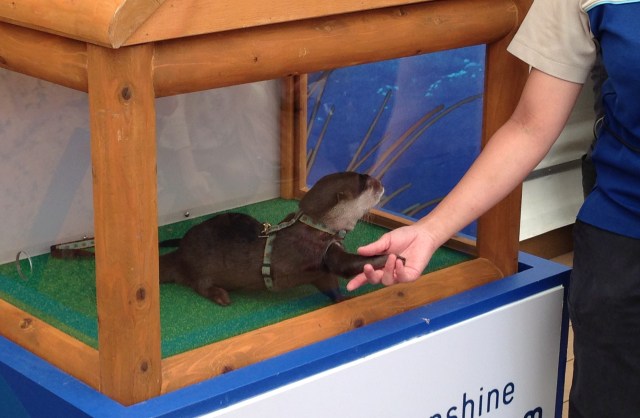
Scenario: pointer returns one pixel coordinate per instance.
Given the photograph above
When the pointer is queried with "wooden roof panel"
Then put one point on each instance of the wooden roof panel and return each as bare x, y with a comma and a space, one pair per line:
115, 23
180, 18
103, 22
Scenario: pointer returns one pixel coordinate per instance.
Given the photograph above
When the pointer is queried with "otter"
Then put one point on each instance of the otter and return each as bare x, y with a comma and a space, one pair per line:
234, 251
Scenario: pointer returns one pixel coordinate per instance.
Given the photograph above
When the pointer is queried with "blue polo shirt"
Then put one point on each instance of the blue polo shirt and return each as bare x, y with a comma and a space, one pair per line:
614, 204
559, 38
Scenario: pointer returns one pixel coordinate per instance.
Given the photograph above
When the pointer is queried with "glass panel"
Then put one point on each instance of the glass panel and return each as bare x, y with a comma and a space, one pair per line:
217, 149
46, 189
415, 123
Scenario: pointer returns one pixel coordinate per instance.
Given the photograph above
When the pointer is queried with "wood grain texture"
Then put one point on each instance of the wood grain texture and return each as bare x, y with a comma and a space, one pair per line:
293, 151
48, 57
287, 138
300, 131
176, 18
123, 148
128, 17
292, 48
63, 351
102, 22
499, 229
212, 360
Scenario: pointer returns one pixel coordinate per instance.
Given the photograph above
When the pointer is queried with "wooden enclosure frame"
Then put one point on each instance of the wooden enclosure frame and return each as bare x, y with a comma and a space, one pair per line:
125, 53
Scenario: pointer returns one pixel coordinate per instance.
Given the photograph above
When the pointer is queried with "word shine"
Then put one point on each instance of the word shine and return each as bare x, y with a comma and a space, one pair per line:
483, 403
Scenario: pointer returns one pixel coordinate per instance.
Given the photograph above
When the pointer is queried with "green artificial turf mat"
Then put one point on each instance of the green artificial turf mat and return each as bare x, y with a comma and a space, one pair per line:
63, 292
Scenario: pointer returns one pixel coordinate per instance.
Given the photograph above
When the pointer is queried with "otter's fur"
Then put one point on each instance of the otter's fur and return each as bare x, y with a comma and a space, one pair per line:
226, 252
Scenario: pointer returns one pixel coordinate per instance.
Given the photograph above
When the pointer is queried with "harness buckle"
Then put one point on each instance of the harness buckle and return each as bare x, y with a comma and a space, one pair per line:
265, 229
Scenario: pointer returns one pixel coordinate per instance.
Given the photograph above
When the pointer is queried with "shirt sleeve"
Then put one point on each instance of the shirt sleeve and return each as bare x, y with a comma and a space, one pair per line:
555, 38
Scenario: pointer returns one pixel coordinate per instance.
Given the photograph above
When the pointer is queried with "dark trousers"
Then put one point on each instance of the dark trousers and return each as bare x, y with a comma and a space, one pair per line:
604, 306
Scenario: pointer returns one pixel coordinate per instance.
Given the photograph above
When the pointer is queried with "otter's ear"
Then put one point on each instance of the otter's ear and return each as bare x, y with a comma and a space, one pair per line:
340, 196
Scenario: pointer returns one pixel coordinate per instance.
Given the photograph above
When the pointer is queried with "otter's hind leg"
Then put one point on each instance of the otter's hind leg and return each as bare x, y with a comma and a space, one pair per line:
214, 293
219, 296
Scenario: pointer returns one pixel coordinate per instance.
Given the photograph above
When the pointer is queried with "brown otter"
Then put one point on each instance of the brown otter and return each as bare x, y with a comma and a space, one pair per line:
235, 251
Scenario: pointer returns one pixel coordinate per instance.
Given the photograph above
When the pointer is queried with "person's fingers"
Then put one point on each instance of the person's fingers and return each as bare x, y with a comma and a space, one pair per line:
406, 272
356, 282
388, 275
395, 270
369, 275
403, 274
373, 276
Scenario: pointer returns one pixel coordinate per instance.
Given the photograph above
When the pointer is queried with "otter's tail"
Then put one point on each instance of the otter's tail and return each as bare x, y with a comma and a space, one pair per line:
167, 243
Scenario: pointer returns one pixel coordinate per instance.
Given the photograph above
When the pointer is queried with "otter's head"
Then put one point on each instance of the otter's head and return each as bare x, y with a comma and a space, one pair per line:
339, 200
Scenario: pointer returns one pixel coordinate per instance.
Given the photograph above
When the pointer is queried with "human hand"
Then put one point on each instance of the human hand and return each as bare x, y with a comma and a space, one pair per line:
411, 243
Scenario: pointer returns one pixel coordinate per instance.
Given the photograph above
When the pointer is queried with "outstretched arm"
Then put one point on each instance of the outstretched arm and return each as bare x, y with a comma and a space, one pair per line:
513, 151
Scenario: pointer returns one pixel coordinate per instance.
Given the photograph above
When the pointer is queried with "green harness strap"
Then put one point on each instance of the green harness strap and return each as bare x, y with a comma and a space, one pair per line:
269, 232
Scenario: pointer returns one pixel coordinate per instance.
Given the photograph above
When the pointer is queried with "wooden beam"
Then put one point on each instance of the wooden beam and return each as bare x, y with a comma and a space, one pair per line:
47, 57
102, 22
123, 149
203, 363
46, 341
275, 51
499, 229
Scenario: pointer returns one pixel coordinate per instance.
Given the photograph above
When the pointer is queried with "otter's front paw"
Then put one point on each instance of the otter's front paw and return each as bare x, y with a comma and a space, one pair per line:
380, 261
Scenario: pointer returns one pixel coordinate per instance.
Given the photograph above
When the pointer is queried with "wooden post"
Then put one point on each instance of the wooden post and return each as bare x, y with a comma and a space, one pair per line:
293, 137
123, 148
287, 138
499, 228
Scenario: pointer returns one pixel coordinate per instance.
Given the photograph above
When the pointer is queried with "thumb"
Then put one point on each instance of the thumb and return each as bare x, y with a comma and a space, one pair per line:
377, 247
